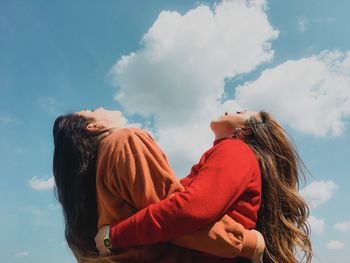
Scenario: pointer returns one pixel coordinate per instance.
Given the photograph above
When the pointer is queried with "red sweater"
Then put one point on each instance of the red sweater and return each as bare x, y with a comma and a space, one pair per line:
225, 181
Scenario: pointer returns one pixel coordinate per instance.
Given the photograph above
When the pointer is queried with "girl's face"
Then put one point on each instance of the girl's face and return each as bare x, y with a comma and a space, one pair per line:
227, 123
103, 119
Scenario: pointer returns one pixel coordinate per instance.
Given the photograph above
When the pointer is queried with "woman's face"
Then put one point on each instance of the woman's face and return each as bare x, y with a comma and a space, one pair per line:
103, 119
228, 122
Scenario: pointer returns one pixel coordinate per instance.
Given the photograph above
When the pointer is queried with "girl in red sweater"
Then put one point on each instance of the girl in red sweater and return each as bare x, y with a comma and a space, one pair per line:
250, 148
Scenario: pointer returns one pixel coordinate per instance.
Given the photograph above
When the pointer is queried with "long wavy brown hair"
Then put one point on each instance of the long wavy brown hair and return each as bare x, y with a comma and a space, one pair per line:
283, 213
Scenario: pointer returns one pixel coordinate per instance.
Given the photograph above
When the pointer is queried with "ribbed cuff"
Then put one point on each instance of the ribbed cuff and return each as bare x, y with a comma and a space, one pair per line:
249, 244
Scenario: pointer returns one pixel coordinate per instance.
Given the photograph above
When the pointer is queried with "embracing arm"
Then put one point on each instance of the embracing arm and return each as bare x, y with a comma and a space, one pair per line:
185, 212
225, 238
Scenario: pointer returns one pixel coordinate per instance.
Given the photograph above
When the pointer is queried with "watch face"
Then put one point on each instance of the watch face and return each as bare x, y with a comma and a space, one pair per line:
107, 243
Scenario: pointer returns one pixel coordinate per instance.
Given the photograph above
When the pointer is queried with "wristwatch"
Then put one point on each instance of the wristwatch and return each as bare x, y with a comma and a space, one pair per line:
106, 239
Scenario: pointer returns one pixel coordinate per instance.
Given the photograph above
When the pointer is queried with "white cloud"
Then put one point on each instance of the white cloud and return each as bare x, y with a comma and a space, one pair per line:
342, 226
317, 225
335, 245
304, 23
42, 184
21, 254
311, 95
127, 123
319, 192
178, 75
185, 59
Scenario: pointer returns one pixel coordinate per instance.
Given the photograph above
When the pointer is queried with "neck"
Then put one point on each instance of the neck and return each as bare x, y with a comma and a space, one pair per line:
222, 135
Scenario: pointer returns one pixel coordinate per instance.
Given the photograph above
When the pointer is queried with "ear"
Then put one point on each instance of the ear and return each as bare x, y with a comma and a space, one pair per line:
246, 131
93, 127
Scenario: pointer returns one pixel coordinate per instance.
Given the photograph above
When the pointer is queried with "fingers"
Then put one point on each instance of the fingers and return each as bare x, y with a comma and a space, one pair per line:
260, 248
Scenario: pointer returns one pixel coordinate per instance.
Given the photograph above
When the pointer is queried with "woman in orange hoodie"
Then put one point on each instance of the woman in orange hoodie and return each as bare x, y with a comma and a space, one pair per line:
130, 172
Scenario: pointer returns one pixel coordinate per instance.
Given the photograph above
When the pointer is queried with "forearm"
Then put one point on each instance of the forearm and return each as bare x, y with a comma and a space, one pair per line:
226, 238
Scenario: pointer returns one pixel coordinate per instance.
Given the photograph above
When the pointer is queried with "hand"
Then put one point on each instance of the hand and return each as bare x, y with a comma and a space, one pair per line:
99, 240
260, 248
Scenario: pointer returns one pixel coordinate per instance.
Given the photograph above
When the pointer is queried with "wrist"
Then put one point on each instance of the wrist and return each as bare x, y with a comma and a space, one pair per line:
106, 238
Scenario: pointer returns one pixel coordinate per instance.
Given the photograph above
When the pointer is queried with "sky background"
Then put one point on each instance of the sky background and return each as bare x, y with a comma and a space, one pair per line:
171, 67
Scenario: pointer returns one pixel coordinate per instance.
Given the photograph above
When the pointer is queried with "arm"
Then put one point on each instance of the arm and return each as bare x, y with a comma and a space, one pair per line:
227, 168
225, 238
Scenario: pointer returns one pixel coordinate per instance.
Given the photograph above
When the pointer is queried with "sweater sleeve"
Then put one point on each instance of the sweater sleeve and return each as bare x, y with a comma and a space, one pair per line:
143, 173
218, 184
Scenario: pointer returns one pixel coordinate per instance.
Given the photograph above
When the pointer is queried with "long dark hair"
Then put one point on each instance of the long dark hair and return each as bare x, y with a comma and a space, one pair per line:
74, 169
283, 212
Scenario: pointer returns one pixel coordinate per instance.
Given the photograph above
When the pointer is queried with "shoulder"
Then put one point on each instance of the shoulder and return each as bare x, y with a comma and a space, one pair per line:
119, 137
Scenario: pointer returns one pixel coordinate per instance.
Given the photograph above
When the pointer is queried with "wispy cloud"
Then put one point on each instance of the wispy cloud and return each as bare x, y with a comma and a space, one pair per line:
317, 225
49, 105
54, 206
343, 226
335, 245
319, 192
9, 120
324, 20
42, 183
303, 23
21, 254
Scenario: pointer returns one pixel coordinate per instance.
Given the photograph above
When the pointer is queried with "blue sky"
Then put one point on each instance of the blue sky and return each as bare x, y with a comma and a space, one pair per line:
62, 56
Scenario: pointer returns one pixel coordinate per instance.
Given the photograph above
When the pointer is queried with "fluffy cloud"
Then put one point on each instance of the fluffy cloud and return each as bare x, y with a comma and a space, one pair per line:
311, 95
42, 184
317, 225
319, 192
343, 226
178, 75
335, 245
185, 59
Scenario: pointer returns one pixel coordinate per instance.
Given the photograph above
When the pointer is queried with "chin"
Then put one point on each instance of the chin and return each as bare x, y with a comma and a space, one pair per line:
213, 126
